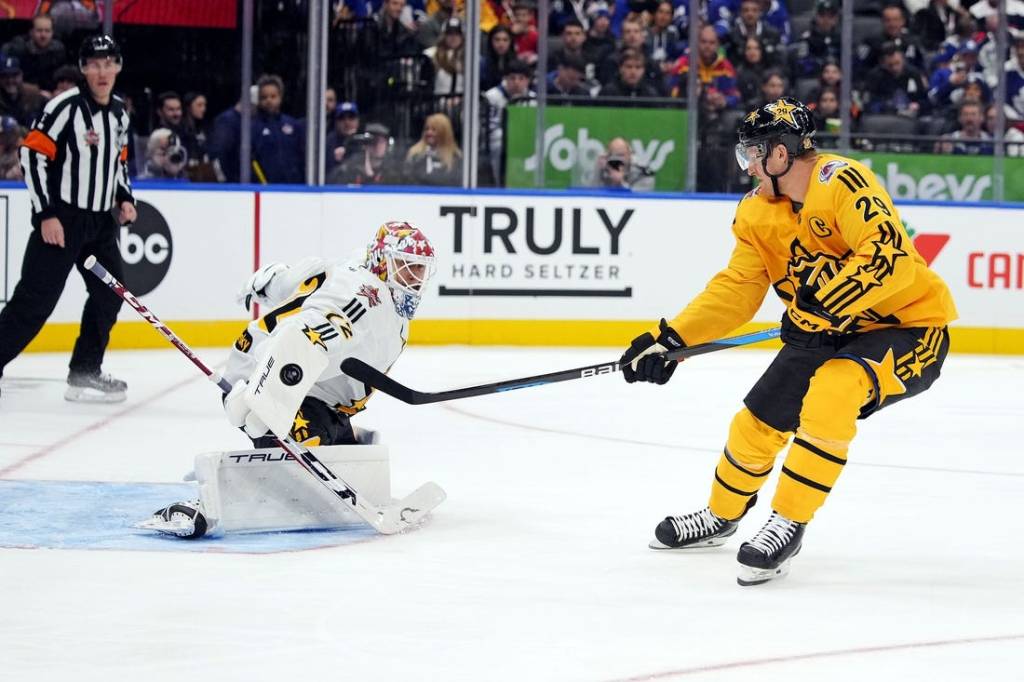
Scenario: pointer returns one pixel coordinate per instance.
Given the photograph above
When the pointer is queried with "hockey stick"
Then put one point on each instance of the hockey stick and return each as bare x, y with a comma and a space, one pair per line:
387, 520
359, 370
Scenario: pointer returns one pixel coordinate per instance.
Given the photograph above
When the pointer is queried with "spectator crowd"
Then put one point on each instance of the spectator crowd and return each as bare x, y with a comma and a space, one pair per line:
923, 79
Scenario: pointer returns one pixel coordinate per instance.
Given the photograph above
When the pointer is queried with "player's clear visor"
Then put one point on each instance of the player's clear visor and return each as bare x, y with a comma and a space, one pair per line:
407, 275
100, 64
747, 155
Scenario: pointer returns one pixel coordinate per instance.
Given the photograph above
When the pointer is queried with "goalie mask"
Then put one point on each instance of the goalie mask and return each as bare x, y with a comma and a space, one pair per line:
402, 257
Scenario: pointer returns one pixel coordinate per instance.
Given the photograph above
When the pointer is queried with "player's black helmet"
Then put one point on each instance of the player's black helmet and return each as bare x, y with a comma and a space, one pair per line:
98, 46
785, 121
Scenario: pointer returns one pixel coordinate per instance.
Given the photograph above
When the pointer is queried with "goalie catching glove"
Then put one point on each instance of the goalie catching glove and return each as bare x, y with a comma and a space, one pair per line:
257, 289
644, 359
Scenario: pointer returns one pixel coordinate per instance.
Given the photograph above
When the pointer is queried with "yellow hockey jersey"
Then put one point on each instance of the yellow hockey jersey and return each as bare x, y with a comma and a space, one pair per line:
847, 242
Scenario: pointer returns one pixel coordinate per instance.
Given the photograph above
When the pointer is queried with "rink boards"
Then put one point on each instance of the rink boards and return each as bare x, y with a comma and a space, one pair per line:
514, 268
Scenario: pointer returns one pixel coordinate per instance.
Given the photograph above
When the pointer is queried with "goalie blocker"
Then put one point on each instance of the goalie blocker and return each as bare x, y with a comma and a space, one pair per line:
290, 364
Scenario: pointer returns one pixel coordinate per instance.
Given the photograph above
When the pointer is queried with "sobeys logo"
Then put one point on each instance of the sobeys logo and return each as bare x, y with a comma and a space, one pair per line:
923, 185
564, 153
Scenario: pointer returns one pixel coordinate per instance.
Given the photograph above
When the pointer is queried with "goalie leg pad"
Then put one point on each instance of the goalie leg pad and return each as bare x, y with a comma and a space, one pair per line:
259, 490
292, 360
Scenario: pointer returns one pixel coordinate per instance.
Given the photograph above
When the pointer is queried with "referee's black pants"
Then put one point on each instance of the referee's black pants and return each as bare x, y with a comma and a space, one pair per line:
43, 275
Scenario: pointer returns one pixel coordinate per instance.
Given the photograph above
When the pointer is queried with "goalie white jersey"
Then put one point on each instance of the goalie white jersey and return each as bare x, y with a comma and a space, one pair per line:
342, 308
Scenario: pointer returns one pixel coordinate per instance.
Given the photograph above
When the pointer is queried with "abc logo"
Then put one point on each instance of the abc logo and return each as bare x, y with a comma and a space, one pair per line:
146, 248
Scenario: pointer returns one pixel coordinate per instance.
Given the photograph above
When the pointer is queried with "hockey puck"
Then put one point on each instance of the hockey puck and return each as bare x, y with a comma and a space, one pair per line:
291, 374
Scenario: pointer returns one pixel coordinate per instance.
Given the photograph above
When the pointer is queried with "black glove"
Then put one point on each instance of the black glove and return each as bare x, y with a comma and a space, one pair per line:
808, 324
651, 365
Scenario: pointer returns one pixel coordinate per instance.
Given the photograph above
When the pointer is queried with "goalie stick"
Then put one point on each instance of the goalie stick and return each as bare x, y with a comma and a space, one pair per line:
389, 519
359, 370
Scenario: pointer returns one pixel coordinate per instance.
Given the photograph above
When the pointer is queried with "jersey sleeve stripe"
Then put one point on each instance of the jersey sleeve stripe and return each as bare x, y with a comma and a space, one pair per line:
846, 182
855, 179
855, 172
34, 168
52, 122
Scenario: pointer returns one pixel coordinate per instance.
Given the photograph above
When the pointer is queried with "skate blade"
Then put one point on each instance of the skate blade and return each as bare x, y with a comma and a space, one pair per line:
706, 544
172, 527
79, 394
750, 576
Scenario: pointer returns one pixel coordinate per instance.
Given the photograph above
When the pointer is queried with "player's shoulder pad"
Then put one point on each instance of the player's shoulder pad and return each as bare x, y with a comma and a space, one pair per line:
348, 277
748, 199
749, 204
57, 100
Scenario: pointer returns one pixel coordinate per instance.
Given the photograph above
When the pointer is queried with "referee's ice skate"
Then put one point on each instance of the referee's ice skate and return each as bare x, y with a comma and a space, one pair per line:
95, 387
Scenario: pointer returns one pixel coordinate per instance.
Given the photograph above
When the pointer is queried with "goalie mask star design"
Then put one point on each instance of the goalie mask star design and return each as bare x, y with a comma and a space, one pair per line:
403, 258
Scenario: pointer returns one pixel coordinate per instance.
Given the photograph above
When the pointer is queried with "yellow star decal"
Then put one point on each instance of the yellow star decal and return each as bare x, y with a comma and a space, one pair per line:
314, 337
889, 252
866, 277
356, 406
751, 117
783, 111
300, 430
916, 367
888, 383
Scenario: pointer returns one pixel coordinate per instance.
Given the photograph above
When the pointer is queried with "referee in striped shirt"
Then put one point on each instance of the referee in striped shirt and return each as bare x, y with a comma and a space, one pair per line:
75, 165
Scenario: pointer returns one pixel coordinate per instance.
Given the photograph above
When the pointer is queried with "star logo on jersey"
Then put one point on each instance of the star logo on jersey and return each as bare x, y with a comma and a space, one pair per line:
888, 252
300, 427
315, 337
885, 371
92, 138
866, 276
371, 294
783, 111
916, 367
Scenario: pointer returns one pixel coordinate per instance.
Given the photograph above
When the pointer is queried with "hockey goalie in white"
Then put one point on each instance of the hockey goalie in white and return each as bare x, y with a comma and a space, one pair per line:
286, 374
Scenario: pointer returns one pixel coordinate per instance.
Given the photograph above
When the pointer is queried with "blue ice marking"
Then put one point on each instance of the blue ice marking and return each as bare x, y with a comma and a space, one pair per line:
100, 515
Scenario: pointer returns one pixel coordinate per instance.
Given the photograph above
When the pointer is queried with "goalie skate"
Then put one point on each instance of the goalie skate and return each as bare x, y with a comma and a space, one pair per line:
182, 519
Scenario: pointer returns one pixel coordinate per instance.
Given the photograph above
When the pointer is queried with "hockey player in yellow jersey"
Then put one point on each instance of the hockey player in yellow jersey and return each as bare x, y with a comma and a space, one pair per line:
865, 326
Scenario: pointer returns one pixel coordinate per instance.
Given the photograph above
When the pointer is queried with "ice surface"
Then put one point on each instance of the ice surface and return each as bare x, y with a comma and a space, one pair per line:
536, 568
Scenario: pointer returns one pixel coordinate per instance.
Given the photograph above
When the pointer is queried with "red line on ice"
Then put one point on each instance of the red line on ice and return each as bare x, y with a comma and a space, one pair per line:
48, 449
756, 662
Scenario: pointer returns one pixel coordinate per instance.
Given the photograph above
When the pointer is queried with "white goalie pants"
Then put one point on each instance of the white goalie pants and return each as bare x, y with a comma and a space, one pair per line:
261, 490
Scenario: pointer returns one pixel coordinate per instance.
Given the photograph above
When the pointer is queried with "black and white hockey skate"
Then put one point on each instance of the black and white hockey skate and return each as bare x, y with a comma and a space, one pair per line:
95, 387
767, 555
182, 519
697, 530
